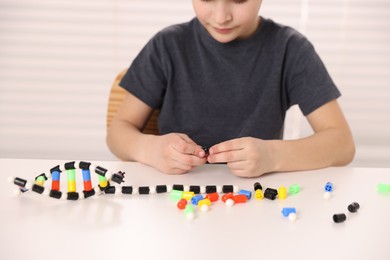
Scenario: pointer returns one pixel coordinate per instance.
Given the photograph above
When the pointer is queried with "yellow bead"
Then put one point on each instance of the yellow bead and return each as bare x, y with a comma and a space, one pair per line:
204, 202
103, 184
71, 186
259, 194
188, 195
282, 193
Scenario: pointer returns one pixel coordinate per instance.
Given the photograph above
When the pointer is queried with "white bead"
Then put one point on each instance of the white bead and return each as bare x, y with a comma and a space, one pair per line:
327, 195
204, 208
186, 188
190, 215
219, 189
229, 202
17, 192
292, 217
169, 188
135, 190
152, 189
97, 190
46, 192
202, 189
109, 175
28, 185
62, 167
235, 189
77, 164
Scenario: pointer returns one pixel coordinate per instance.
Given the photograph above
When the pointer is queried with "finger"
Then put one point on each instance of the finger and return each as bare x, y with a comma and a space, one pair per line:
185, 147
186, 160
226, 146
226, 157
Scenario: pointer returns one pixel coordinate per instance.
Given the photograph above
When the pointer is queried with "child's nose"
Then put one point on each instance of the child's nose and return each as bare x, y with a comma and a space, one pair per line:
222, 14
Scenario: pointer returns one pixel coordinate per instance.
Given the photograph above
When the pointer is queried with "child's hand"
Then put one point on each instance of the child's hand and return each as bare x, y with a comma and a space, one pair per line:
175, 154
246, 156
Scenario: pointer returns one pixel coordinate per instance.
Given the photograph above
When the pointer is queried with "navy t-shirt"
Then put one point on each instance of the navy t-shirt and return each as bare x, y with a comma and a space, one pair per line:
215, 91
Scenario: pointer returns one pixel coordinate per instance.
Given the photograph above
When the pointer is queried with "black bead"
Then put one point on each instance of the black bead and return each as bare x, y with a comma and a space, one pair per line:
161, 188
101, 171
73, 196
84, 165
257, 186
338, 218
195, 189
353, 207
270, 193
88, 193
69, 166
56, 194
178, 187
127, 190
38, 189
227, 188
20, 182
110, 190
143, 190
211, 189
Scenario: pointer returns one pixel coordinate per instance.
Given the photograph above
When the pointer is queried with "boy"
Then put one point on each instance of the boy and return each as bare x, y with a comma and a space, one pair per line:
225, 80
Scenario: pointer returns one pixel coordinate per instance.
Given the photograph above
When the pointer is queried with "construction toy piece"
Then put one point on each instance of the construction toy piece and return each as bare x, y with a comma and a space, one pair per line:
227, 196
143, 190
204, 202
195, 200
240, 198
327, 195
213, 197
257, 186
294, 189
211, 189
247, 193
178, 187
383, 188
339, 218
195, 189
270, 193
353, 207
127, 189
292, 217
329, 187
161, 188
189, 212
188, 195
282, 192
287, 211
176, 194
259, 194
182, 204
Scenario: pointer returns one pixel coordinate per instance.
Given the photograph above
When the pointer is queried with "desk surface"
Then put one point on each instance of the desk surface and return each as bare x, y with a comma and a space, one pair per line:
34, 226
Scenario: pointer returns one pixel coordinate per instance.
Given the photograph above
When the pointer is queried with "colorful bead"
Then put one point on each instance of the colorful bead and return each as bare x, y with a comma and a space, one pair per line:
176, 194
195, 200
178, 187
195, 189
383, 188
188, 195
227, 196
182, 204
204, 202
292, 217
259, 194
282, 192
213, 196
229, 202
211, 189
257, 186
327, 195
288, 211
294, 189
247, 193
189, 212
329, 187
240, 198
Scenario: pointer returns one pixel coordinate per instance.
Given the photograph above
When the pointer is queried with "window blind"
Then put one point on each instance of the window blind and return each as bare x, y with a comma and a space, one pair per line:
58, 60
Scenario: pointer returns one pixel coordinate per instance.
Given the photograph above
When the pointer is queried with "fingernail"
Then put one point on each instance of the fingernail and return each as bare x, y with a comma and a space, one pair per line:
202, 154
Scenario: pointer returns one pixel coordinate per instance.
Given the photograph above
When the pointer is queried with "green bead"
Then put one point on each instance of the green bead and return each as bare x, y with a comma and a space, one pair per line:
102, 178
189, 208
71, 175
41, 178
383, 188
294, 189
176, 194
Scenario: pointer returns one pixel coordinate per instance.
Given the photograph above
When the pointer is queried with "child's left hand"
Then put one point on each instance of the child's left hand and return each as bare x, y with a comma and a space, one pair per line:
246, 156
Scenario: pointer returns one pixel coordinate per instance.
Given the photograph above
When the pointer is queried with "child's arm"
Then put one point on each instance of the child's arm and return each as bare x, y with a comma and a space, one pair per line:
330, 145
172, 153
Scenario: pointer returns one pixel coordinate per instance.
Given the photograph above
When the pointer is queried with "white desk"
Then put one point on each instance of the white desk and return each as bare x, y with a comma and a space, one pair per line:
151, 227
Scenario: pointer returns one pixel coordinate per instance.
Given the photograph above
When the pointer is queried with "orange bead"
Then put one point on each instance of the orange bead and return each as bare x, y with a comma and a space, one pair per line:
227, 196
240, 198
212, 196
55, 185
182, 204
87, 185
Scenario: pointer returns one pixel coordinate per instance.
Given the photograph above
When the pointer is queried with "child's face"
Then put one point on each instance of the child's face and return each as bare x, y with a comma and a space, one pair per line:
227, 20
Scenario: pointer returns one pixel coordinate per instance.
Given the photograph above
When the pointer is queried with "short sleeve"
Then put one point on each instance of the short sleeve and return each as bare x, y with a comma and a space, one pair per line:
145, 78
309, 84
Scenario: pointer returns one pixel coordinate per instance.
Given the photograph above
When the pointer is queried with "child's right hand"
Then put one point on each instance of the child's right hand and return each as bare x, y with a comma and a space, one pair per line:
174, 153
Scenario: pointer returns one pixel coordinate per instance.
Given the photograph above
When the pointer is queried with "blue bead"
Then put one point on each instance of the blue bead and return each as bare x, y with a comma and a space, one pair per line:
247, 193
195, 200
328, 187
55, 175
86, 175
287, 211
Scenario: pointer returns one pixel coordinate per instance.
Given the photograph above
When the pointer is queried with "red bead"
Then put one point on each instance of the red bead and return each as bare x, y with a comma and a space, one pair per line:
182, 204
227, 196
212, 197
241, 198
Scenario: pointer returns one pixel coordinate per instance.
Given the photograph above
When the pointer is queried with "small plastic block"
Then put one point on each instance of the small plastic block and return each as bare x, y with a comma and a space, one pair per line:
270, 193
329, 187
213, 197
327, 195
257, 186
227, 196
287, 211
100, 171
127, 189
339, 218
353, 207
118, 177
229, 202
143, 190
37, 188
176, 194
292, 217
195, 189
88, 193
383, 188
205, 208
178, 187
161, 188
188, 195
204, 202
182, 204
195, 200
247, 193
110, 190
206, 150
189, 212
259, 194
294, 189
282, 192
227, 188
211, 189
73, 196
19, 182
240, 198
55, 194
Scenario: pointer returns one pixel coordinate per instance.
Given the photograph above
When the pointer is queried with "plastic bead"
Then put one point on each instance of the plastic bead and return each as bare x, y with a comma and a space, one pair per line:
188, 195
329, 187
227, 188
189, 212
229, 202
195, 189
213, 197
204, 202
227, 196
292, 217
257, 186
282, 193
161, 188
195, 200
211, 189
353, 207
327, 195
182, 204
178, 187
205, 208
143, 190
38, 189
270, 193
127, 189
259, 194
247, 193
294, 189
338, 218
287, 211
383, 188
176, 194
240, 198
56, 194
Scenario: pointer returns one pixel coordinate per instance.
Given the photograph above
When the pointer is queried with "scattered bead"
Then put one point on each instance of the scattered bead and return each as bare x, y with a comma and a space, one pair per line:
338, 218
227, 196
182, 204
229, 202
195, 189
188, 195
240, 198
383, 188
176, 194
287, 211
294, 189
259, 194
329, 187
204, 202
189, 212
353, 207
270, 193
282, 193
257, 186
247, 193
205, 208
195, 200
213, 197
327, 195
292, 217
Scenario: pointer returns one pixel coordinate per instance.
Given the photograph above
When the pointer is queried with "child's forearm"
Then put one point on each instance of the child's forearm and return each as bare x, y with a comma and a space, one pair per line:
330, 147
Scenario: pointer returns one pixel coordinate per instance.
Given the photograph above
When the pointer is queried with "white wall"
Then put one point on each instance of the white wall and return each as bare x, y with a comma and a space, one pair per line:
59, 58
